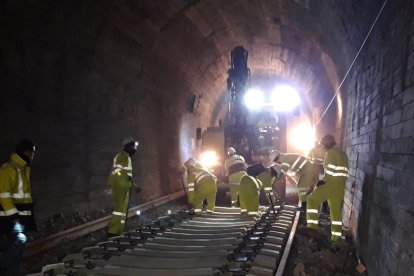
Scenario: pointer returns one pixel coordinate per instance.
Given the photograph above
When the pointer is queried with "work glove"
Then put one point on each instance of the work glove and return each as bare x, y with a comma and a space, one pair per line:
18, 233
320, 183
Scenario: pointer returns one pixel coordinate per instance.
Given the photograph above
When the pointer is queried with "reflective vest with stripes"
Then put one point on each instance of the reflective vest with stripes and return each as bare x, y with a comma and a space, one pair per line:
235, 163
291, 162
15, 193
317, 155
197, 174
121, 171
335, 165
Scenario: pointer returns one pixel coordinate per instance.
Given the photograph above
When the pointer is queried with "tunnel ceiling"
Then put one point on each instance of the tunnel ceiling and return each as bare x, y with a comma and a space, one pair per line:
180, 47
190, 42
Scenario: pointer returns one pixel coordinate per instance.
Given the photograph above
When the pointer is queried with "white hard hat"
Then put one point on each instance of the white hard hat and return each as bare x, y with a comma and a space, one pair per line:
231, 151
128, 140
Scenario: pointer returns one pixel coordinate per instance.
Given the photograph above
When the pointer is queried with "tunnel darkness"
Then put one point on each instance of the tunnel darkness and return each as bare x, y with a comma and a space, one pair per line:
78, 76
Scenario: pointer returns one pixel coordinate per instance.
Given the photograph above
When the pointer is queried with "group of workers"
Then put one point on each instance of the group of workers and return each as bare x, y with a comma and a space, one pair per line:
16, 203
246, 182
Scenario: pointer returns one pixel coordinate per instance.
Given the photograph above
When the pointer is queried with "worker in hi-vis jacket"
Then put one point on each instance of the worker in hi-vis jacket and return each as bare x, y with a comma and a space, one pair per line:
205, 186
120, 181
235, 168
331, 188
302, 167
188, 180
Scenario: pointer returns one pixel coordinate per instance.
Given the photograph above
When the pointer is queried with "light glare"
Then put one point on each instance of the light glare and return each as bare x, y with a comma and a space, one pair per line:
209, 159
284, 98
302, 137
254, 98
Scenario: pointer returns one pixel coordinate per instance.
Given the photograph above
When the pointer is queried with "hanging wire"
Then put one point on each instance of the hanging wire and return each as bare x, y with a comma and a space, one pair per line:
353, 62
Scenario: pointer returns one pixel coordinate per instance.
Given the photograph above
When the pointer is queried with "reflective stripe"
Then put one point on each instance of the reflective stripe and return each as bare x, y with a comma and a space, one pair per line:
8, 212
335, 174
25, 213
303, 164
209, 211
190, 184
197, 210
190, 189
334, 233
253, 213
118, 213
312, 221
21, 195
234, 201
243, 210
294, 163
267, 188
5, 195
338, 168
336, 222
314, 211
286, 164
122, 221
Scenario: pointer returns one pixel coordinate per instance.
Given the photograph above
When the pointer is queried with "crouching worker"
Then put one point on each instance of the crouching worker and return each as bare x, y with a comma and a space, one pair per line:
302, 167
16, 207
235, 167
259, 177
205, 186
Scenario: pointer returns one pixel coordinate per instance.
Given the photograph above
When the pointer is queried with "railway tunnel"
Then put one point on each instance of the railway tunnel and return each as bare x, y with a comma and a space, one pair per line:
78, 76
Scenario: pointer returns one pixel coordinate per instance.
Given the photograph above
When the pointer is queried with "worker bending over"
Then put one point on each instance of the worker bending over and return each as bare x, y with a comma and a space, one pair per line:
330, 188
188, 180
205, 186
235, 167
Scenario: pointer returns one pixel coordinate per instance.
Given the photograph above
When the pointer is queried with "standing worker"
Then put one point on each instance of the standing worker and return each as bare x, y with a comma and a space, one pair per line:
16, 206
330, 188
302, 167
120, 181
205, 186
235, 167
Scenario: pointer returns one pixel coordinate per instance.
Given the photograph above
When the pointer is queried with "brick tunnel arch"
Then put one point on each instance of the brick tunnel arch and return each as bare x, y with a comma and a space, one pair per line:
77, 76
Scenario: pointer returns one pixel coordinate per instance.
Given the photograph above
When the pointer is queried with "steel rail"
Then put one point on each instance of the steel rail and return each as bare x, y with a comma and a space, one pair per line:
286, 252
40, 245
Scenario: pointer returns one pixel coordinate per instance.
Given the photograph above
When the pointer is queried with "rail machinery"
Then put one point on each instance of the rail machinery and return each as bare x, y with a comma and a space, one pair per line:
250, 125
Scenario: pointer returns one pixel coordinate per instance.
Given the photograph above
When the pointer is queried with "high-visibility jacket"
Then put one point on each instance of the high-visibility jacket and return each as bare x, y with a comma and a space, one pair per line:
15, 193
235, 167
298, 164
316, 157
235, 163
188, 180
336, 173
120, 183
205, 188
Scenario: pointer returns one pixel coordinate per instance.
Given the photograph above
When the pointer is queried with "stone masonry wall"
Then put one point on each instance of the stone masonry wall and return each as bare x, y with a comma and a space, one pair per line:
379, 201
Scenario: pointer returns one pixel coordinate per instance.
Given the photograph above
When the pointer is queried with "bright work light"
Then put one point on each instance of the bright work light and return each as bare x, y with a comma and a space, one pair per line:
284, 98
209, 159
253, 98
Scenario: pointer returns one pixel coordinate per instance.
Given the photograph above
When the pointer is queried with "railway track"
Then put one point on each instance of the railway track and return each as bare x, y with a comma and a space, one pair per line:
223, 242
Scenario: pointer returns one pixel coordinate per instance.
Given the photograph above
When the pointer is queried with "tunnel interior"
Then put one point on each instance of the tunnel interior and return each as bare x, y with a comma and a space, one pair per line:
79, 76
